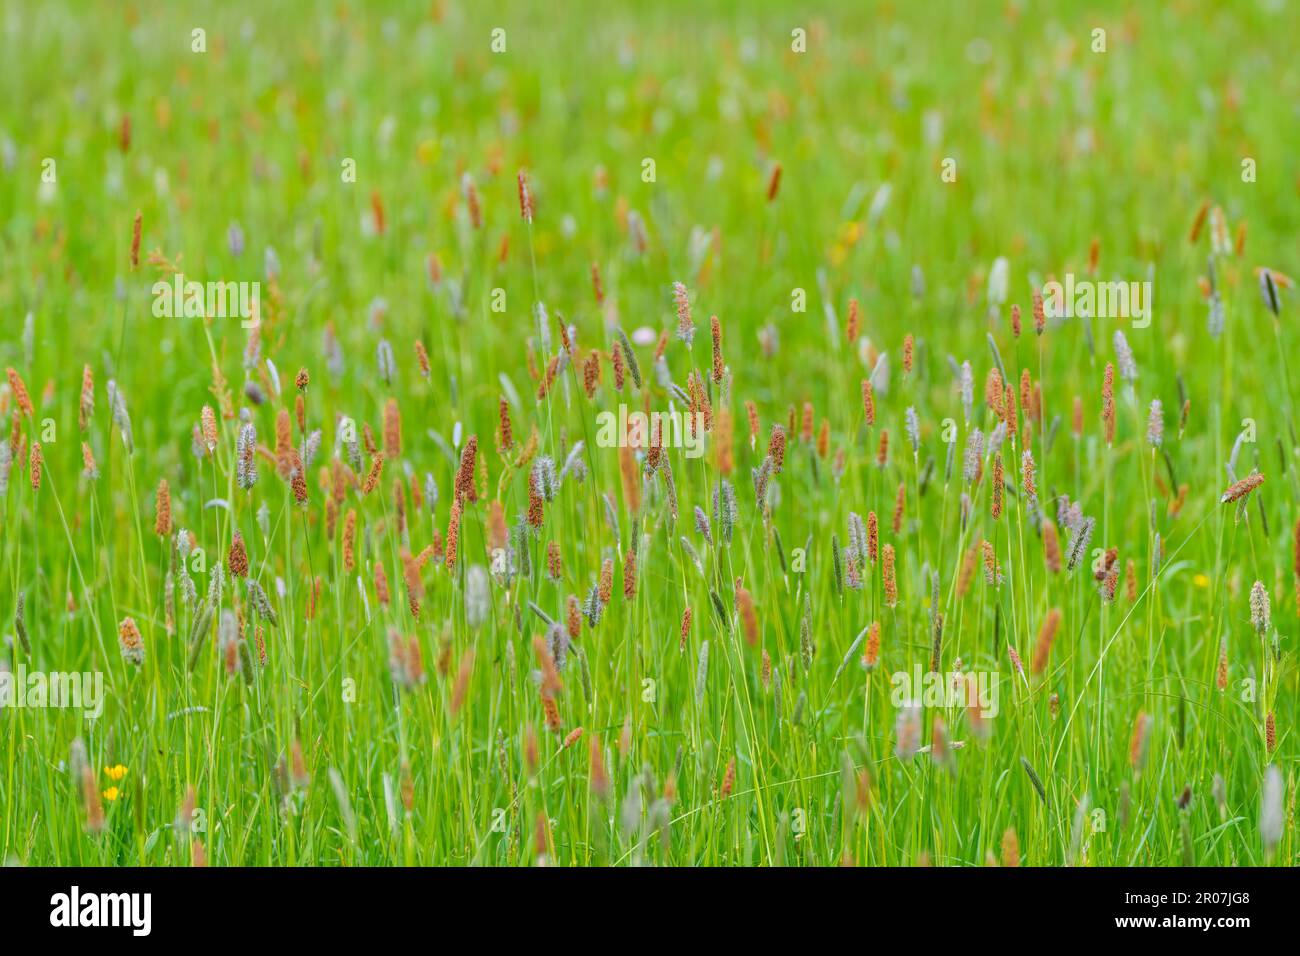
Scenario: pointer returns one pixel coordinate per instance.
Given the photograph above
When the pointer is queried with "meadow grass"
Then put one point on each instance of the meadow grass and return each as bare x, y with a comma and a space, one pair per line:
869, 209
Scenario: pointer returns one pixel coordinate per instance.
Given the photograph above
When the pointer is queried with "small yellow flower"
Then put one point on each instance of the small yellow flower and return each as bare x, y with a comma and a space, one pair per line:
116, 772
1201, 581
111, 794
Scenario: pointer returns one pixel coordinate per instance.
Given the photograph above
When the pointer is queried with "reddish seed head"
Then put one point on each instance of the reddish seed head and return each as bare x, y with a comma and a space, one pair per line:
605, 588
1046, 635
349, 540
1108, 402
591, 373
208, 425
283, 442
776, 448
505, 433
86, 409
525, 198
748, 616
723, 436
21, 397
629, 575
162, 509
871, 656
774, 183
471, 202
992, 573
716, 329
372, 476
685, 327
135, 240
891, 584
298, 481
461, 688
998, 480
967, 573
1240, 489
464, 484
1015, 660
35, 460
993, 391
536, 506
1138, 744
1027, 479
554, 562
1199, 222
453, 534
751, 411
573, 618
1051, 548
237, 559
616, 359
1010, 848
88, 466
392, 430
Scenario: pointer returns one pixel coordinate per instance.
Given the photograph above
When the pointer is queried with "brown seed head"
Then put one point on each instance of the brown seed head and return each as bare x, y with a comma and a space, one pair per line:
21, 397
392, 430
716, 328
891, 584
162, 525
1046, 635
237, 558
1240, 489
868, 402
464, 484
86, 408
130, 641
